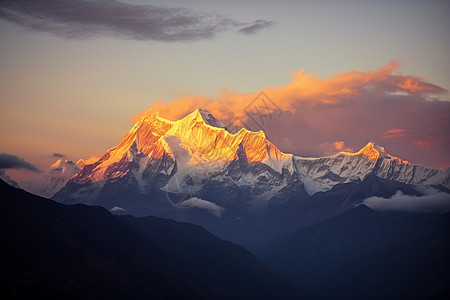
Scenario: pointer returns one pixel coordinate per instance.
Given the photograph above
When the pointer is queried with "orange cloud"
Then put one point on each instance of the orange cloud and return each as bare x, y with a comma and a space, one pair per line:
333, 148
414, 85
305, 90
311, 116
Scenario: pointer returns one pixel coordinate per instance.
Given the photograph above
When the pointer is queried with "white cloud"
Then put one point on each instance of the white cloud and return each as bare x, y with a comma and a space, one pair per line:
432, 201
117, 209
213, 208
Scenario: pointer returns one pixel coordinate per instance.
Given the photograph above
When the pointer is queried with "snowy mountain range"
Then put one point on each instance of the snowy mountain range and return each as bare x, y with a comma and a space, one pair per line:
321, 174
186, 157
195, 170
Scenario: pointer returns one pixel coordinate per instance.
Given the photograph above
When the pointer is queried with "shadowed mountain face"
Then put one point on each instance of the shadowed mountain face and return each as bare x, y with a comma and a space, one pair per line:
364, 254
343, 197
50, 250
292, 207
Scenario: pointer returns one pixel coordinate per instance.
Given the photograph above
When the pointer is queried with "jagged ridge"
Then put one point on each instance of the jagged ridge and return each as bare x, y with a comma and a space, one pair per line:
195, 158
182, 156
321, 174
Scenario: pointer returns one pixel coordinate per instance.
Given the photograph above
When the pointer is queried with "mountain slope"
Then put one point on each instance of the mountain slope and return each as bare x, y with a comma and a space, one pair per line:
341, 198
7, 179
51, 250
184, 157
366, 254
210, 260
49, 182
321, 174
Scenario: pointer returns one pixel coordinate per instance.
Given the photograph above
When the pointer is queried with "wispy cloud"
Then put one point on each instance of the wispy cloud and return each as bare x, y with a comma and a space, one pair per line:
9, 161
423, 138
432, 201
110, 18
257, 26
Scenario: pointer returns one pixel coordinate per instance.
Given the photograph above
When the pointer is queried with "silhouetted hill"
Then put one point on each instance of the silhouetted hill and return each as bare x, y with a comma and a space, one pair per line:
209, 260
364, 254
54, 251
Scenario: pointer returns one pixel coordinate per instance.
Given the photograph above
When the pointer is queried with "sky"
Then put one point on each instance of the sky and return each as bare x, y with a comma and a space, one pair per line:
74, 75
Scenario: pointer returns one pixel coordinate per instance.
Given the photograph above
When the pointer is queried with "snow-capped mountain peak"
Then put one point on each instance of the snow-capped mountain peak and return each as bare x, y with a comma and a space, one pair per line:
49, 182
374, 152
58, 164
65, 166
184, 155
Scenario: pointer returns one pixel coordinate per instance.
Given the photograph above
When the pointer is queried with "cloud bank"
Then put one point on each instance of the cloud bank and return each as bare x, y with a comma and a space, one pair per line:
110, 18
311, 116
432, 201
9, 161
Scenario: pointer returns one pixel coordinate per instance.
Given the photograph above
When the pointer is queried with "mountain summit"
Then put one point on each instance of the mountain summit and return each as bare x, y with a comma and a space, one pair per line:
374, 152
52, 179
197, 157
188, 157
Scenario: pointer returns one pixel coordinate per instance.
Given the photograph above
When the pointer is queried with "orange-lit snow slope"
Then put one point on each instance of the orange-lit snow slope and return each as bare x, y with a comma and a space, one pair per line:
197, 139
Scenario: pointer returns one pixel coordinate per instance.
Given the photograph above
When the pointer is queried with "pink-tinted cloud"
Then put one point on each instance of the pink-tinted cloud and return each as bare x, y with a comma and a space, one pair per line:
426, 139
333, 148
308, 115
396, 133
